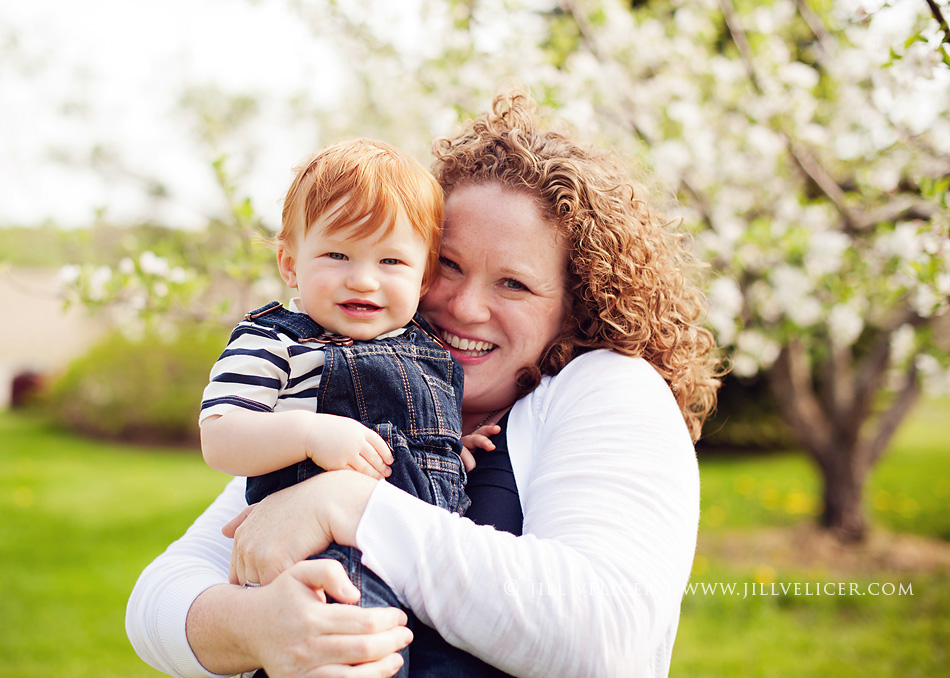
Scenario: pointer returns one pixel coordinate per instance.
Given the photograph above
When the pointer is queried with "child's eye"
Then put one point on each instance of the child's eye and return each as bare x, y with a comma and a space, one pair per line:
390, 261
336, 255
448, 263
513, 284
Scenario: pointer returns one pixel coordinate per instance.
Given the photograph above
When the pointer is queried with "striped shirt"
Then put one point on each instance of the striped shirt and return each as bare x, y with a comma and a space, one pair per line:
264, 370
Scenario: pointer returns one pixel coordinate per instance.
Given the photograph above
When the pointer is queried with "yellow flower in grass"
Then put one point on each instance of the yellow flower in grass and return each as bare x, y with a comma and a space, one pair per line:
769, 498
763, 574
799, 503
714, 515
744, 484
906, 506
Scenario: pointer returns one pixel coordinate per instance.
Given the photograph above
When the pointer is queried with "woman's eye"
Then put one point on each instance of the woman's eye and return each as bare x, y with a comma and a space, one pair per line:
448, 263
513, 284
390, 261
336, 255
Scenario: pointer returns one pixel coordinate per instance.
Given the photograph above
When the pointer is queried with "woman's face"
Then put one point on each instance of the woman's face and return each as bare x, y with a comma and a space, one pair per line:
499, 298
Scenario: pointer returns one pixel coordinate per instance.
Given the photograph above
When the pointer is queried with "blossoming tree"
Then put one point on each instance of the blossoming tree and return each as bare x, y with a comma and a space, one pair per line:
808, 144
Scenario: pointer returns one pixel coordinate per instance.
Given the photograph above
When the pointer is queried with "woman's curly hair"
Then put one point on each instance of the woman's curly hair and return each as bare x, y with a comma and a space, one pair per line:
632, 281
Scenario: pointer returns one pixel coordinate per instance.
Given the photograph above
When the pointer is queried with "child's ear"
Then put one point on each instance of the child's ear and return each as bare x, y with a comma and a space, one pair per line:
287, 266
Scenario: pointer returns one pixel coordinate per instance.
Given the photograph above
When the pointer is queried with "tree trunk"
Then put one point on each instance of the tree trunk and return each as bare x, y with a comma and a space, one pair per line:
843, 512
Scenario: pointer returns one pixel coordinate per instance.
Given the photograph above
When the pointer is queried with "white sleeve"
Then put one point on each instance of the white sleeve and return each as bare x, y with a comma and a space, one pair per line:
163, 595
611, 510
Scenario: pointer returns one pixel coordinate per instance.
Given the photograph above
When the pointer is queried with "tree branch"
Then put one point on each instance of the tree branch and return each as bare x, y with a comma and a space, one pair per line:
892, 419
874, 365
825, 182
938, 15
794, 394
814, 23
900, 208
811, 167
837, 386
629, 122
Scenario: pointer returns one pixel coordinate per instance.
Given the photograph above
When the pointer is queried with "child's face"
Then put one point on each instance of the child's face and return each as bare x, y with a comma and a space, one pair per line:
358, 288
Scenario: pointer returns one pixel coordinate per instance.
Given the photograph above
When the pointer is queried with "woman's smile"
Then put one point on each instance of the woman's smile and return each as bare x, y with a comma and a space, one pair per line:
469, 347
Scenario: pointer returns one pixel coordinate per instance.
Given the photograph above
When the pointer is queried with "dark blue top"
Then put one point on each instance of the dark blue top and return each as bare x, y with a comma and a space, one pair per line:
491, 487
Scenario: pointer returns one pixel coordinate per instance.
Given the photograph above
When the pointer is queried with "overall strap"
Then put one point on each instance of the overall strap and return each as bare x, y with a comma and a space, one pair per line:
300, 326
424, 325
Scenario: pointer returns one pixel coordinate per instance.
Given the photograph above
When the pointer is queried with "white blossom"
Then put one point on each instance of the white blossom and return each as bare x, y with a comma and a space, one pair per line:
943, 284
934, 376
825, 253
69, 274
793, 295
903, 344
902, 243
98, 280
925, 301
797, 75
725, 305
152, 264
755, 351
178, 275
845, 324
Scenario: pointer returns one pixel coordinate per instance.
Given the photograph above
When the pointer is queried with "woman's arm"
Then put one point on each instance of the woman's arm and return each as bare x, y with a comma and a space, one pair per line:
610, 493
183, 618
611, 507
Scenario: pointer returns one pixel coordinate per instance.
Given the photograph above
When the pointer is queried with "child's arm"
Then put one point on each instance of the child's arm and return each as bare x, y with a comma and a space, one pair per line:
249, 443
478, 439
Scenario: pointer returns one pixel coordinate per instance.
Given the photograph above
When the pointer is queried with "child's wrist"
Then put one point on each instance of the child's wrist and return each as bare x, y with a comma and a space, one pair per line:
311, 438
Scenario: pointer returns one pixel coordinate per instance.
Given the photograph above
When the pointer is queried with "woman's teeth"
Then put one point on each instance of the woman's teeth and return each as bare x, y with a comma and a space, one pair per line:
476, 348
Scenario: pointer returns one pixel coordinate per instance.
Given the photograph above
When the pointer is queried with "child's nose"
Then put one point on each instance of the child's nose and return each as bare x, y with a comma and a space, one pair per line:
362, 280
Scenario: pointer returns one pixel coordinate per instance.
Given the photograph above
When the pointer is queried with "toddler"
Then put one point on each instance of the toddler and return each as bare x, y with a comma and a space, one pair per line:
350, 376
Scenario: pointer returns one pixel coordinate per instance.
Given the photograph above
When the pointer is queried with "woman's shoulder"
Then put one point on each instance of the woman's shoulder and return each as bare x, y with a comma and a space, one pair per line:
602, 378
603, 367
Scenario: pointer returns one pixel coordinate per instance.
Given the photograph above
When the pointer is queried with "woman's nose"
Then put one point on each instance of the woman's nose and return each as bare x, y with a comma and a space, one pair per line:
469, 304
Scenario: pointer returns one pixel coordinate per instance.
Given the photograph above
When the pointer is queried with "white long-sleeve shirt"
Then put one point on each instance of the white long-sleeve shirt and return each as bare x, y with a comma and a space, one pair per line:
609, 486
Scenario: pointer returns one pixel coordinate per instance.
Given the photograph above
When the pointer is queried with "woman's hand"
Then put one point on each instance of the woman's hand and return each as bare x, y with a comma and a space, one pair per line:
288, 628
297, 522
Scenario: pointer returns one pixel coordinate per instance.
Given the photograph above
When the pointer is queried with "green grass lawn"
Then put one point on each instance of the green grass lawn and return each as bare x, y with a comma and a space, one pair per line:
79, 520
822, 635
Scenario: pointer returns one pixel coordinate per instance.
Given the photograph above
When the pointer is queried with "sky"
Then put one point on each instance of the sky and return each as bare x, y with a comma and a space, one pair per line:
75, 76
105, 79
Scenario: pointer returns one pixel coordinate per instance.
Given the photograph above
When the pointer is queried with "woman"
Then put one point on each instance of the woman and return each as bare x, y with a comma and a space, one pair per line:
571, 309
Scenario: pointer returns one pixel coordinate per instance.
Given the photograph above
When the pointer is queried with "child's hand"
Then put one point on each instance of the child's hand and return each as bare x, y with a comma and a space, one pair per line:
479, 439
335, 443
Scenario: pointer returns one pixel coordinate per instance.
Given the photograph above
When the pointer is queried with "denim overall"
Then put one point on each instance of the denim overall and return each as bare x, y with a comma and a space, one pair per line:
406, 388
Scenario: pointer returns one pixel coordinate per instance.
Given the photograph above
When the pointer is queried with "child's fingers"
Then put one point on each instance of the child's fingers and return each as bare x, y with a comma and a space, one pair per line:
370, 456
477, 440
489, 430
378, 444
361, 464
468, 460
